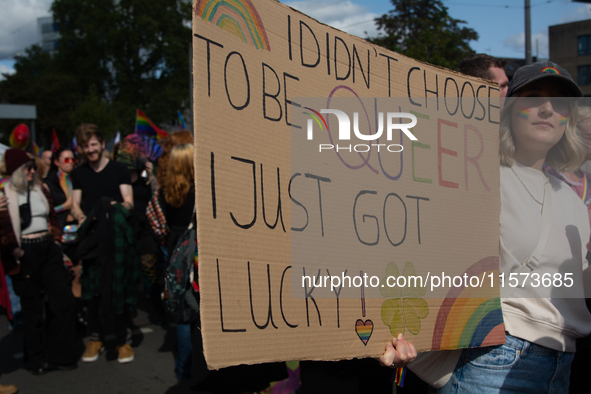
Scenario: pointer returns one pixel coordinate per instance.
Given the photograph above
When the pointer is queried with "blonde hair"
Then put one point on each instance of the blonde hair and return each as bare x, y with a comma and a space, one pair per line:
18, 179
180, 175
41, 166
567, 155
3, 170
584, 113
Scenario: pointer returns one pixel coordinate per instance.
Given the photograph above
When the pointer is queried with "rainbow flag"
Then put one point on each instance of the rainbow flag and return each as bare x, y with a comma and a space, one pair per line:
35, 149
55, 142
181, 120
399, 375
144, 126
196, 267
74, 145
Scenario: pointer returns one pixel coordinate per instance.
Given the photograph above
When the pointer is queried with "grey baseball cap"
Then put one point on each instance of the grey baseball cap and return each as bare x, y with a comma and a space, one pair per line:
526, 75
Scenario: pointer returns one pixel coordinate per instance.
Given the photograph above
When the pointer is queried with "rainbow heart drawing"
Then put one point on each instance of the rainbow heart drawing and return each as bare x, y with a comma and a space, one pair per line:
364, 330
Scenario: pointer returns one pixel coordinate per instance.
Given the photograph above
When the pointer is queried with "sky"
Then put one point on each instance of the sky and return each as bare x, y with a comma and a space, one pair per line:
499, 23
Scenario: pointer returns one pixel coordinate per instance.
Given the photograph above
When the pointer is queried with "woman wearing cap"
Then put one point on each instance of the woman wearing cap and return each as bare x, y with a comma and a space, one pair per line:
40, 271
544, 230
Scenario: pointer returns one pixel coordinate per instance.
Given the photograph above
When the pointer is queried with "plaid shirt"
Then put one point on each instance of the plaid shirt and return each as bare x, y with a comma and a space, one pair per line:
127, 271
126, 264
583, 188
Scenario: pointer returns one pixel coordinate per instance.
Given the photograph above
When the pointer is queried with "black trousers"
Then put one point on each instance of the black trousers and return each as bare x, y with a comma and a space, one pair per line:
42, 274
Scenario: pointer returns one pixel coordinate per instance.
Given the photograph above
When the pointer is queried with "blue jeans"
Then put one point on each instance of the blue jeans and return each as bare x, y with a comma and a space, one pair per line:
518, 366
184, 347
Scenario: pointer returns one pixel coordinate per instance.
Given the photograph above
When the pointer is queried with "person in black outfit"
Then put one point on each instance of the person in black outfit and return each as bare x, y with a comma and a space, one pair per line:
49, 344
59, 182
144, 186
60, 185
100, 178
177, 200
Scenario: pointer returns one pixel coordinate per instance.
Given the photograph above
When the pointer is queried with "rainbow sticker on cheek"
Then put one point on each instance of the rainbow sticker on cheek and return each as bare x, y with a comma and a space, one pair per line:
562, 120
523, 112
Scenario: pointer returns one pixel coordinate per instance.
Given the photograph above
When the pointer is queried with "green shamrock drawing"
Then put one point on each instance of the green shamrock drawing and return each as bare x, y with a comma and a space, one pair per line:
404, 308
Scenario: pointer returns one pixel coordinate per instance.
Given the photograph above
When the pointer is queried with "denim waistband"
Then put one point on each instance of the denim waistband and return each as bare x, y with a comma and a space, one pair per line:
529, 347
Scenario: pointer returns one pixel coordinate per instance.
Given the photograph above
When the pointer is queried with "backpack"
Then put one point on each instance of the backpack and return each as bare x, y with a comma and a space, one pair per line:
179, 299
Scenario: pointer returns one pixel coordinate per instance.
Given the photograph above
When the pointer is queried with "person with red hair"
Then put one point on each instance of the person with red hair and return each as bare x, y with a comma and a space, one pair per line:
177, 199
174, 139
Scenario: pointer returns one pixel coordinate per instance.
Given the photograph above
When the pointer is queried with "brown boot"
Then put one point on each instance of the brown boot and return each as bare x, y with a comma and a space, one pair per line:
8, 389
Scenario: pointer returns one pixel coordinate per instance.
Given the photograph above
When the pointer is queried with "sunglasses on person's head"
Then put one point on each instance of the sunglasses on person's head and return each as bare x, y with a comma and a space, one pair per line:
67, 160
31, 166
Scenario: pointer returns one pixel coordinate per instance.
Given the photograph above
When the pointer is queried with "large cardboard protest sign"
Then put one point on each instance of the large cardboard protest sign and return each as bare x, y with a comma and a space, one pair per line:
286, 204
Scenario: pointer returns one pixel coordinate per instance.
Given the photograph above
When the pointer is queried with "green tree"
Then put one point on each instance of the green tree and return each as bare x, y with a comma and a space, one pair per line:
113, 56
96, 110
39, 82
131, 53
423, 30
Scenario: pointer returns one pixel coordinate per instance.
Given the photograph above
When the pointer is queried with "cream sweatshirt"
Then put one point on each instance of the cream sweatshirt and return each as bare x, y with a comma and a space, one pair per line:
543, 314
534, 313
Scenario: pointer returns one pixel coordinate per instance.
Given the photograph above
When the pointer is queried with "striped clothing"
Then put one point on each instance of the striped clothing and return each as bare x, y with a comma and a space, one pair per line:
582, 188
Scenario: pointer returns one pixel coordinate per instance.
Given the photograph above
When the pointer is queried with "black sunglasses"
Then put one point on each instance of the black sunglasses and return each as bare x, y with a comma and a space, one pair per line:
31, 166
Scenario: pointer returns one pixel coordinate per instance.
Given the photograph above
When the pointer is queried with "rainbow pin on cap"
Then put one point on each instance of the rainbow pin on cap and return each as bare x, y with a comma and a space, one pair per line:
533, 72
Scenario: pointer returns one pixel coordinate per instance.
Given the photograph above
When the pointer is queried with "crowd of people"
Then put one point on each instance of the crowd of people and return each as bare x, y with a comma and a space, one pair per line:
82, 234
77, 245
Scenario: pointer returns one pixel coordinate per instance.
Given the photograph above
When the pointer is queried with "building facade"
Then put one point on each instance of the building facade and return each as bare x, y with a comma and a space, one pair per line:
48, 34
570, 46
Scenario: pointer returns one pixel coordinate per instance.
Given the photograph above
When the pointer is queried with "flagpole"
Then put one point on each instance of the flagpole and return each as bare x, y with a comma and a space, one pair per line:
32, 134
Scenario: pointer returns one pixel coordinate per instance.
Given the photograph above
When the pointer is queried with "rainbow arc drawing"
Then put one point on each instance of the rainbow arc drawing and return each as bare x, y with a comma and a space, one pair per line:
237, 17
467, 317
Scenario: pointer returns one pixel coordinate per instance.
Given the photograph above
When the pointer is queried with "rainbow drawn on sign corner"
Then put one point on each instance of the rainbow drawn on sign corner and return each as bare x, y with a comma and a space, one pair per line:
237, 17
468, 319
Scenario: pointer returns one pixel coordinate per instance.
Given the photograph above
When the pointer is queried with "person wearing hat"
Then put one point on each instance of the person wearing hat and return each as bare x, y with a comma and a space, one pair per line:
544, 231
35, 263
